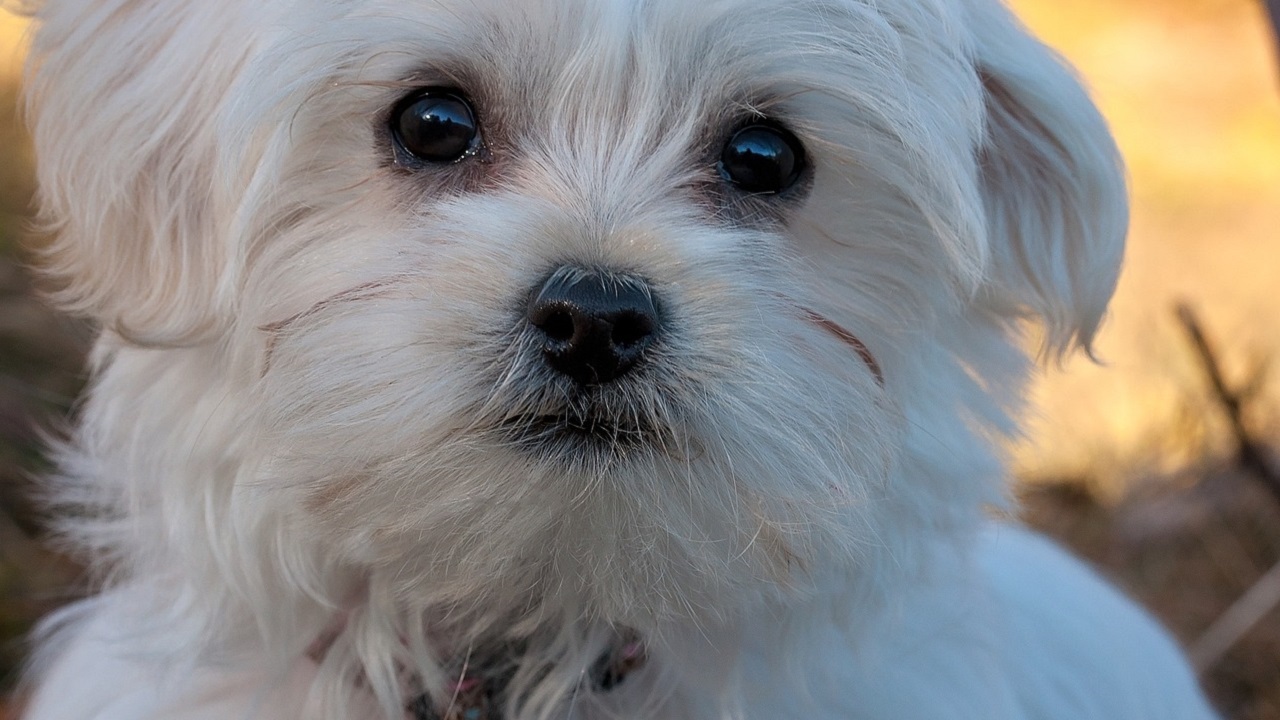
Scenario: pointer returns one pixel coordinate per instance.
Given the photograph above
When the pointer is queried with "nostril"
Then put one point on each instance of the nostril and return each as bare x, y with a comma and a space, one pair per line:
557, 326
631, 329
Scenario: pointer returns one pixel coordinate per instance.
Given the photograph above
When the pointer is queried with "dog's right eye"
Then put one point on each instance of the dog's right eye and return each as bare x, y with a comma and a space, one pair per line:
436, 125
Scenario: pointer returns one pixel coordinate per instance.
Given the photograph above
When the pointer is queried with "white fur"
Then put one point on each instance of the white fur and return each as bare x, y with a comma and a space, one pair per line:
306, 350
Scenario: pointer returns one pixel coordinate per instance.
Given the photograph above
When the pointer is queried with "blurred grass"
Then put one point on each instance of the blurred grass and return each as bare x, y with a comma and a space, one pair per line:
1129, 463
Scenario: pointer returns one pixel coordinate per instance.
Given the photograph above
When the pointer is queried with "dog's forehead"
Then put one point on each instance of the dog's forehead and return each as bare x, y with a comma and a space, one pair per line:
599, 81
558, 56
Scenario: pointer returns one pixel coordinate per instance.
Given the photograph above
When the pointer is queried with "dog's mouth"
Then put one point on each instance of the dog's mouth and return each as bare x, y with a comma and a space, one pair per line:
571, 433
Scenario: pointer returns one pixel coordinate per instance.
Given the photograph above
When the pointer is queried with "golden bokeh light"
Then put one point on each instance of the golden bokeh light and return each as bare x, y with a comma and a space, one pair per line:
13, 31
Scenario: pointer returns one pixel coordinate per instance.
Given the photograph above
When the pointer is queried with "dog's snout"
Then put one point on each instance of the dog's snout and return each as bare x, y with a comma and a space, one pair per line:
595, 326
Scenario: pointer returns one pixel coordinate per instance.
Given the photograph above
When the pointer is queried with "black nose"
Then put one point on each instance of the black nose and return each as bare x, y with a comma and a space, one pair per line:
595, 326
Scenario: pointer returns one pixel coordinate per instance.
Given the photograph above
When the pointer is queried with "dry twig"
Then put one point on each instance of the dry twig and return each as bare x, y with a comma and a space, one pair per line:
1264, 595
1232, 625
1252, 454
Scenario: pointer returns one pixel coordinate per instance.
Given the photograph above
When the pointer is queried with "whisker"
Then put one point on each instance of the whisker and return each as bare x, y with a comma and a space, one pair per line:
363, 291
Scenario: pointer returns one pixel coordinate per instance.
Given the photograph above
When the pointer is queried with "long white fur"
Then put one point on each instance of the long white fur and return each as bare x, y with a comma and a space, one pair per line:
305, 351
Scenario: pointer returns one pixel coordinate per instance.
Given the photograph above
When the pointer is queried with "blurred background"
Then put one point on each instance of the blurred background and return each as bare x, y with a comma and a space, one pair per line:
1160, 465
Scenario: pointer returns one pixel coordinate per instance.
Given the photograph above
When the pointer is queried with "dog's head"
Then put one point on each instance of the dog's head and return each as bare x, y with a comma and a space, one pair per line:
642, 308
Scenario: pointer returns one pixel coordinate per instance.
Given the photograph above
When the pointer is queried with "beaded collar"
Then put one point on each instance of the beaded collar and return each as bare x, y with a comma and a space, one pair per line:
480, 691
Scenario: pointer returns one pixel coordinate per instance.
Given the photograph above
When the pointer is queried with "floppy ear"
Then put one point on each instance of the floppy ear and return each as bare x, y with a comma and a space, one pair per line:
1053, 185
123, 96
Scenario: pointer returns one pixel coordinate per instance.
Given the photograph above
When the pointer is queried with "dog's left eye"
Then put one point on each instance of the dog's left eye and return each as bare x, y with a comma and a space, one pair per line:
762, 158
436, 125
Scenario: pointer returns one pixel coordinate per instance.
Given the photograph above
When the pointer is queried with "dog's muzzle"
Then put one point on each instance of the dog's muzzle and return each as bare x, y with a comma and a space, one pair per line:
598, 362
593, 337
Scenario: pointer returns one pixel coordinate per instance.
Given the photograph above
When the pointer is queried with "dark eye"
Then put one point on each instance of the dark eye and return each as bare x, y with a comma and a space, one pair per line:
435, 126
762, 158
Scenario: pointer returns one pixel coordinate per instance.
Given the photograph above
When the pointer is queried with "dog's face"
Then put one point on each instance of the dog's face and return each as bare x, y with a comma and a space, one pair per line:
647, 309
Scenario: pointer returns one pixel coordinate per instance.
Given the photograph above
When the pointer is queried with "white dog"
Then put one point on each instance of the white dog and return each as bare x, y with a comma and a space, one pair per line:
572, 359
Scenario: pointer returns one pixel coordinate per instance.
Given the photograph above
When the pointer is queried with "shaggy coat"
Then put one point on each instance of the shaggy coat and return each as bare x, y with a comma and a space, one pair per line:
322, 459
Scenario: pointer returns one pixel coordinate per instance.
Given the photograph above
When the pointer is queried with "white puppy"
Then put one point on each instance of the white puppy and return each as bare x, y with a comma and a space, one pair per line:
572, 359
